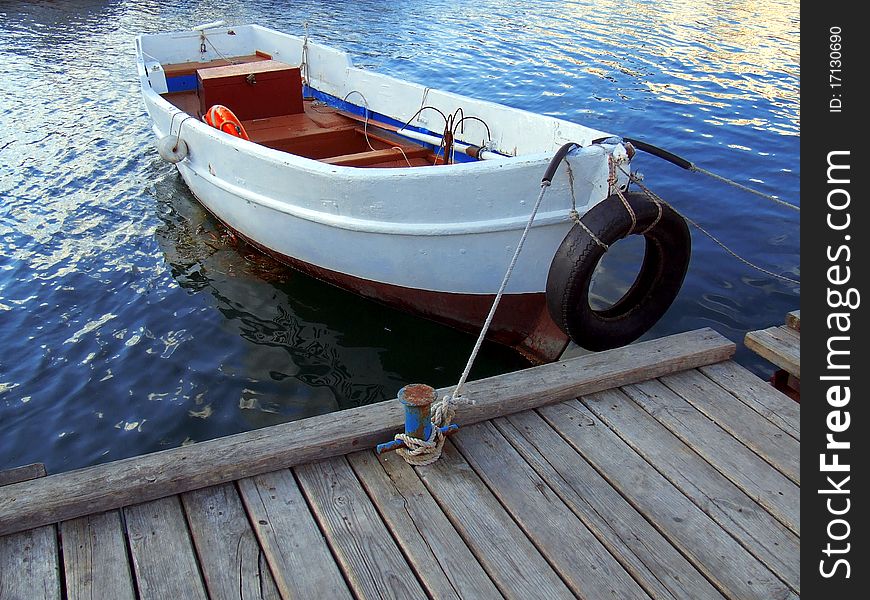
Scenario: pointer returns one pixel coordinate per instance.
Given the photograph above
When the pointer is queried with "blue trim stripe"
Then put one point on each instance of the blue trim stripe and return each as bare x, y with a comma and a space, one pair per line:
334, 101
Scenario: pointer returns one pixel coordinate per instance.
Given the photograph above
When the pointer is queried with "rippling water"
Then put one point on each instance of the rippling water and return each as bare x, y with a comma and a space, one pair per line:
131, 322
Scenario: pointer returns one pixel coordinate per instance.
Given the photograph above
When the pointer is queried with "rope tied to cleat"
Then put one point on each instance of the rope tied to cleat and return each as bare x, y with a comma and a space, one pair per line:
421, 450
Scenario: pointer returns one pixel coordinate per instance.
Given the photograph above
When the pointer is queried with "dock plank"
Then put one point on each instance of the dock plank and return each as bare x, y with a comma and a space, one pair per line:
754, 431
780, 345
95, 558
164, 561
760, 481
371, 561
582, 562
22, 473
228, 552
29, 562
793, 320
752, 526
104, 487
292, 543
659, 567
735, 572
758, 395
29, 565
510, 558
442, 561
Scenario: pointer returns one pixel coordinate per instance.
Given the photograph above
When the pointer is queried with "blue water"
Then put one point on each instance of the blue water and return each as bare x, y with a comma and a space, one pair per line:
131, 322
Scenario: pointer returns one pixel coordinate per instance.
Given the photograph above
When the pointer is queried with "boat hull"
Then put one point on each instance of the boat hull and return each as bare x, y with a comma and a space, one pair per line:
434, 240
522, 321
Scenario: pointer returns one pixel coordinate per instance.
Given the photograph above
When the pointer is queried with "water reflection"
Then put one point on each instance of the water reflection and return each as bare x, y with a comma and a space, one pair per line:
129, 321
310, 348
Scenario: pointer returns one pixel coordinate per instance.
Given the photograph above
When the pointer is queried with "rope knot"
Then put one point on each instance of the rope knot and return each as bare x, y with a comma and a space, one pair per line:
419, 452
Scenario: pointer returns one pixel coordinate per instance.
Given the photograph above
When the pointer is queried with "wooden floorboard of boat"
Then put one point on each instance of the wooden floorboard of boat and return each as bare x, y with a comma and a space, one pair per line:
324, 134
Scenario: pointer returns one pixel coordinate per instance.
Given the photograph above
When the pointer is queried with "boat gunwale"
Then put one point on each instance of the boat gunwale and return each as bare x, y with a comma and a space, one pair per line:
283, 158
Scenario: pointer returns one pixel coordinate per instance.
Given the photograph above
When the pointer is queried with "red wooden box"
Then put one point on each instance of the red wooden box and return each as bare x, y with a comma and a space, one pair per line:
254, 90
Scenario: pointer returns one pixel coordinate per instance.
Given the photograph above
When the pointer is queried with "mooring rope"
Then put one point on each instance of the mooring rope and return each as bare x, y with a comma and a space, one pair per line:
690, 166
745, 188
423, 452
658, 200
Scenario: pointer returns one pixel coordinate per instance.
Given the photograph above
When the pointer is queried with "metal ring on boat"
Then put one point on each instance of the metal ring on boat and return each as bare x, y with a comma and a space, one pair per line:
221, 117
666, 259
172, 149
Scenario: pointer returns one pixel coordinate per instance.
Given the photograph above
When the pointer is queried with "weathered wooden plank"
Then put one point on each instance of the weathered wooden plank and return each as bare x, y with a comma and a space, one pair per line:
736, 572
780, 345
582, 562
301, 561
442, 561
29, 565
228, 552
749, 524
368, 556
510, 558
793, 320
761, 482
104, 487
269, 591
95, 558
757, 433
22, 473
659, 567
758, 395
163, 557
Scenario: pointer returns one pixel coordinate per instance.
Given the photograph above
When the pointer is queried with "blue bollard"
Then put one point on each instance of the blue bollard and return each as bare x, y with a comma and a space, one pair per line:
418, 399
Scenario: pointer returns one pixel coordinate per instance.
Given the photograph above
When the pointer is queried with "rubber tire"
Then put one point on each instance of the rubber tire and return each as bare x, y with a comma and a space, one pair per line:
665, 262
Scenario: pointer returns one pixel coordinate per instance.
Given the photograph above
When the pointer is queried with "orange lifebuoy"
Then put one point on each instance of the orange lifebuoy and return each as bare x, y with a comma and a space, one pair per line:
221, 117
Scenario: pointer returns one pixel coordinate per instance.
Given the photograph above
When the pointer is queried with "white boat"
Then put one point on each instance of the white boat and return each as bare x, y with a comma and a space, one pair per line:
347, 175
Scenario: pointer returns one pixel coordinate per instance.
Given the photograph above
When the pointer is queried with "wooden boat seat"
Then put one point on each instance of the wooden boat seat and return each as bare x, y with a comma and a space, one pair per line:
324, 134
190, 68
374, 157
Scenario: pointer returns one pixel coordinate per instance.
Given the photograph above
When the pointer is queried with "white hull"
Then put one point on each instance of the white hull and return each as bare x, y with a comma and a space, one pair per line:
446, 229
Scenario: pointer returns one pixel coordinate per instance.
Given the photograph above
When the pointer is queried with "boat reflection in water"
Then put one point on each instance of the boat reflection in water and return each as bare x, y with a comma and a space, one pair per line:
293, 346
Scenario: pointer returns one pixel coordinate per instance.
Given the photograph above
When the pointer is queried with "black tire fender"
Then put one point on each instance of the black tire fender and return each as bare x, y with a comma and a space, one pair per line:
665, 262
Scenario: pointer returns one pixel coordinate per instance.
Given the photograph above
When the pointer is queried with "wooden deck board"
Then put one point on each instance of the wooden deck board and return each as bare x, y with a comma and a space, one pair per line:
22, 473
513, 562
164, 560
369, 557
748, 523
764, 438
95, 560
780, 345
755, 477
793, 320
228, 551
442, 561
292, 544
735, 572
582, 562
659, 567
761, 397
29, 565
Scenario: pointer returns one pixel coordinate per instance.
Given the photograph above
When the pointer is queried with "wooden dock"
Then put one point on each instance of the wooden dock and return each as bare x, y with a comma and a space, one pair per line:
781, 346
660, 470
